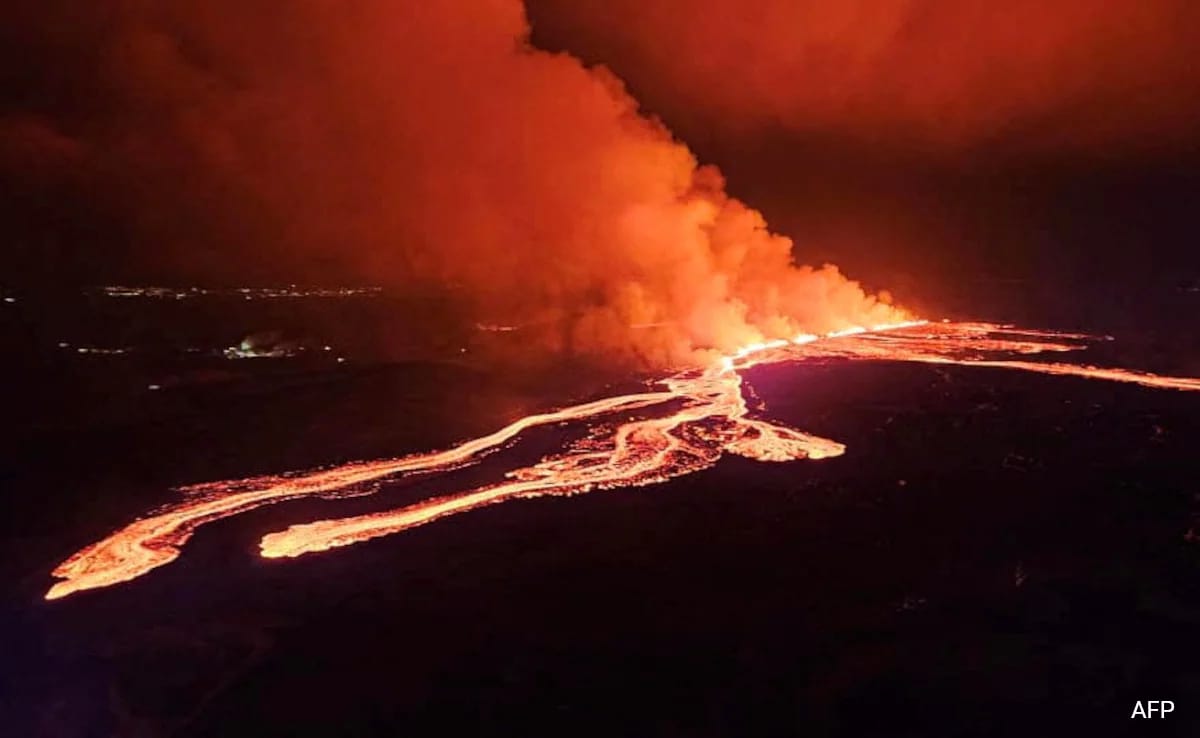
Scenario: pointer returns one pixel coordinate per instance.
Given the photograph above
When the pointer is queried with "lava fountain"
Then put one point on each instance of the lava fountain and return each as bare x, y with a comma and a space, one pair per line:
685, 423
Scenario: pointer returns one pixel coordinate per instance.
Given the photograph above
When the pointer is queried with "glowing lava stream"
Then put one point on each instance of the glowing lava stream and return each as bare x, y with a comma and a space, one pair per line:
713, 420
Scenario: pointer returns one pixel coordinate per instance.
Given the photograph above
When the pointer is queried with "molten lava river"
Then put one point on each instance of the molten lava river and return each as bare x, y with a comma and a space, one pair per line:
680, 425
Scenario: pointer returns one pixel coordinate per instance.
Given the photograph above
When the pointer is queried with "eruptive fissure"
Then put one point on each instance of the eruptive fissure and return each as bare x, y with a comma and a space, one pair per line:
686, 423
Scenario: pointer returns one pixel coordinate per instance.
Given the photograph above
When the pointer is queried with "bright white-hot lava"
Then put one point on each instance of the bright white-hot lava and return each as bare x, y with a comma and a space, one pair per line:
685, 424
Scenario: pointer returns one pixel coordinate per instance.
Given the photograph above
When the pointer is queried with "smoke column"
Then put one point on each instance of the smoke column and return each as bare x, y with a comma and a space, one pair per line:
423, 145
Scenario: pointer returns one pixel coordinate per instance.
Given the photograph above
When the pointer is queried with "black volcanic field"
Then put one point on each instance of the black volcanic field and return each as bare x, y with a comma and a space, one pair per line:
996, 554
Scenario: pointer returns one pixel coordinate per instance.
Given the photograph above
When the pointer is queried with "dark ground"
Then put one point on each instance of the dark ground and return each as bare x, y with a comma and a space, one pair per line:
996, 554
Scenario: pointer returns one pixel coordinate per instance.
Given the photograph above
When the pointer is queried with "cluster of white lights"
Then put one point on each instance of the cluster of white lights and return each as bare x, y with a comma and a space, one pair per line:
249, 293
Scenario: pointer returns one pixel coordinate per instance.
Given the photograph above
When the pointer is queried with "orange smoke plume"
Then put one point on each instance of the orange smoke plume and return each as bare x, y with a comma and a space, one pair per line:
941, 73
428, 144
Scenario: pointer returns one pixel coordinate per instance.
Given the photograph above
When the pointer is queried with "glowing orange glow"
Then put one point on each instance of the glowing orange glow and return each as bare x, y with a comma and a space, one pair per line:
969, 344
700, 415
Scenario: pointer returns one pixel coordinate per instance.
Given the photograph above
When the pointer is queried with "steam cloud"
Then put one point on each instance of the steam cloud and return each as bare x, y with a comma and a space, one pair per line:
416, 144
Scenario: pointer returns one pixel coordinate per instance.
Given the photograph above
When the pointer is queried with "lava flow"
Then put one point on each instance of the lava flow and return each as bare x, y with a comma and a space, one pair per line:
700, 415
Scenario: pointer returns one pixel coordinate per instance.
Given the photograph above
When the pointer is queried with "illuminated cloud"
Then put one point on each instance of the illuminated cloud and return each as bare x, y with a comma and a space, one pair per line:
429, 146
937, 73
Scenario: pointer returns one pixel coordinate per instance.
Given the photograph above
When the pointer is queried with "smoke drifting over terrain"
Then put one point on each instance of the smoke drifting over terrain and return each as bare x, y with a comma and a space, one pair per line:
942, 74
423, 145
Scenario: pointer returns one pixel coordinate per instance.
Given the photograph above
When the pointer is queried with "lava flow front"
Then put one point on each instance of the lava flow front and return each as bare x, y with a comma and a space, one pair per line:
685, 424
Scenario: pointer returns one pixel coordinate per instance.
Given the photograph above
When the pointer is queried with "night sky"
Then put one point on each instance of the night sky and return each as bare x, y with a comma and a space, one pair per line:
921, 143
